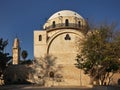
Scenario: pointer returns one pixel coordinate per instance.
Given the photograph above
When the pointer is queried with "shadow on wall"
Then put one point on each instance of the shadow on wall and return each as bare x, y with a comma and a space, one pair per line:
106, 88
17, 74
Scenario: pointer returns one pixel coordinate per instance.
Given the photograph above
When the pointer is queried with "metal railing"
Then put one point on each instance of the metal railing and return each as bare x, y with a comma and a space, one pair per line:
63, 25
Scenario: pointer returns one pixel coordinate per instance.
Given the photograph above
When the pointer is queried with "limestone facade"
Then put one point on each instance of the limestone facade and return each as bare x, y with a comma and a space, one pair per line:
58, 38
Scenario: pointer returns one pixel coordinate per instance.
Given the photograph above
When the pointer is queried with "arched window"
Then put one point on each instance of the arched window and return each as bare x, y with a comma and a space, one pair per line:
66, 22
79, 24
51, 74
40, 37
53, 24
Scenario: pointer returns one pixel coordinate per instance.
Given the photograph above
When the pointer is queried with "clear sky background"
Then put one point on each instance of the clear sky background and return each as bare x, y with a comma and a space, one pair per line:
22, 17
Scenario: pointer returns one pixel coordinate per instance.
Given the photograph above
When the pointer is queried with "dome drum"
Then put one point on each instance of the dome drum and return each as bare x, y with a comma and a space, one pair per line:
65, 19
63, 25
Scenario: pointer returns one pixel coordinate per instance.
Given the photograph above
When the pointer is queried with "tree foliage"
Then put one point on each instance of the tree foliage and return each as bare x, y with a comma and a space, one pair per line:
100, 54
4, 57
24, 54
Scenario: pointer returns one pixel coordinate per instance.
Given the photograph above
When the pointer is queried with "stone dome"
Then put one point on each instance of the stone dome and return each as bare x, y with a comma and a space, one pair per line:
65, 13
64, 19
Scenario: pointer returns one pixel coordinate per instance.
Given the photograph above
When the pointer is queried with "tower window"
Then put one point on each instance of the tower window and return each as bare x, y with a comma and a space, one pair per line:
79, 24
53, 24
67, 37
66, 22
40, 37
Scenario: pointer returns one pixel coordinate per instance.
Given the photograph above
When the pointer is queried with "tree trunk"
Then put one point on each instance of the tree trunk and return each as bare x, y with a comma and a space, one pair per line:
110, 78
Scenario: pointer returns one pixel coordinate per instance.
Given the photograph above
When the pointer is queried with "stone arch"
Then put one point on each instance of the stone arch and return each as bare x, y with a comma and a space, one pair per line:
63, 32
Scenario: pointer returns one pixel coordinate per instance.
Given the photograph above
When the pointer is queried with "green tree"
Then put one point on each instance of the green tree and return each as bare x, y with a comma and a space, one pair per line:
99, 56
24, 54
4, 57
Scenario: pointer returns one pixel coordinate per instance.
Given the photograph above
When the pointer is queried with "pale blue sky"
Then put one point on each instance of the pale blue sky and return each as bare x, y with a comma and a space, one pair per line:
22, 17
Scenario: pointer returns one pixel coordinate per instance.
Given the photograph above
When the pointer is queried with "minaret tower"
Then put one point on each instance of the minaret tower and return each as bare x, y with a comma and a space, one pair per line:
16, 52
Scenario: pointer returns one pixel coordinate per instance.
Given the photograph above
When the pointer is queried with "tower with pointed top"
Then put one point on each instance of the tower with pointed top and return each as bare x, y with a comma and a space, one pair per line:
16, 52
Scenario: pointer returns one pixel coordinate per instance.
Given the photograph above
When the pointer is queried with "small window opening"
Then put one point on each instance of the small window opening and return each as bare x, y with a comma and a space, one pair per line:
67, 37
51, 74
40, 37
79, 24
53, 24
66, 22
